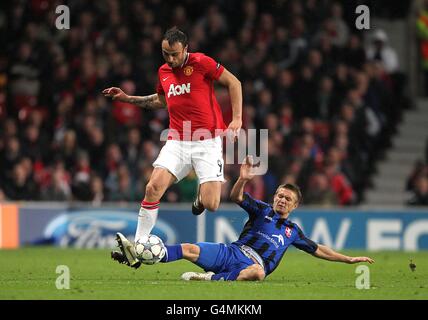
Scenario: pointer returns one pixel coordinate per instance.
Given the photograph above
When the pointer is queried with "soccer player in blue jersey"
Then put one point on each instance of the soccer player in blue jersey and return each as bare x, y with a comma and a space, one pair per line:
263, 242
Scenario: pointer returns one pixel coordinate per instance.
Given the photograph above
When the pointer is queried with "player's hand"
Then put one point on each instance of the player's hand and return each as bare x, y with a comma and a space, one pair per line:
246, 171
361, 259
233, 129
115, 94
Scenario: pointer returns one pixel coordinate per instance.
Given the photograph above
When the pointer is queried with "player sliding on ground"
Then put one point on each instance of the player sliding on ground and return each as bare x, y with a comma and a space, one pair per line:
186, 88
262, 243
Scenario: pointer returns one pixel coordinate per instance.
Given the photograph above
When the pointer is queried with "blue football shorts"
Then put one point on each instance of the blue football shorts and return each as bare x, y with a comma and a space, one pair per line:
219, 257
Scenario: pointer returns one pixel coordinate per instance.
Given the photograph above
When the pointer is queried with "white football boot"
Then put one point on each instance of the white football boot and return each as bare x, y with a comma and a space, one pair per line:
197, 276
128, 251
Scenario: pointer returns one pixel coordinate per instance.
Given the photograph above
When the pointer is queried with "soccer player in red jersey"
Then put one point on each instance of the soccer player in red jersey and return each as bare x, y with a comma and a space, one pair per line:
186, 88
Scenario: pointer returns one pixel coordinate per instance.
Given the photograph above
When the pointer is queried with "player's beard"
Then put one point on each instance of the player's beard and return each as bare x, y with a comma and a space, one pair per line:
178, 64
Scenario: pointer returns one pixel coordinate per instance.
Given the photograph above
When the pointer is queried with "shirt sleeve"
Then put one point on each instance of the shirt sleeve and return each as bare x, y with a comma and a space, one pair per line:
213, 69
253, 206
304, 243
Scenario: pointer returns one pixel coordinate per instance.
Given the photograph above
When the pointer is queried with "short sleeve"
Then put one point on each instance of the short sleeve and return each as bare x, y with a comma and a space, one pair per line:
213, 69
253, 206
304, 243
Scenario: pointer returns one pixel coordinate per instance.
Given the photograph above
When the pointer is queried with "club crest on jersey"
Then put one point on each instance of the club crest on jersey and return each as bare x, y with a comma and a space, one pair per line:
188, 70
177, 90
288, 232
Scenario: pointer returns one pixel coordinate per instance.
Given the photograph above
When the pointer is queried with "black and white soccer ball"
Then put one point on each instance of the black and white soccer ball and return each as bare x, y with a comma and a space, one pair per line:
150, 249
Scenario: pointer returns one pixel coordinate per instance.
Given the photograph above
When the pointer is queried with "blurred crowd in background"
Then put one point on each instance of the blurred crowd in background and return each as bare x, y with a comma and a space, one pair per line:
417, 182
331, 96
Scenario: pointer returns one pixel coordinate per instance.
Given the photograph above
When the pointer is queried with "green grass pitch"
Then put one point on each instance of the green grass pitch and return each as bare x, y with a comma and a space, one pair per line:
30, 273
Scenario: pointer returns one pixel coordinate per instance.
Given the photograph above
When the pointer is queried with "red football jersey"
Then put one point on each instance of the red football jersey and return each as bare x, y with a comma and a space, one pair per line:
189, 94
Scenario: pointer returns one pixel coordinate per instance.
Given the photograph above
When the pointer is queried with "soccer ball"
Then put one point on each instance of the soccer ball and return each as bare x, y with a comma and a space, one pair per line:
150, 249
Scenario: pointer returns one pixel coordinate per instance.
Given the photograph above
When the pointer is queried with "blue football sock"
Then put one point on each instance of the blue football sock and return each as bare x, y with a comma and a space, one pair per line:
226, 276
173, 253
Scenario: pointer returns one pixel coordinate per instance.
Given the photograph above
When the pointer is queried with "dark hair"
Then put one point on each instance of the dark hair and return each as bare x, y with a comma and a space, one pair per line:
293, 187
174, 35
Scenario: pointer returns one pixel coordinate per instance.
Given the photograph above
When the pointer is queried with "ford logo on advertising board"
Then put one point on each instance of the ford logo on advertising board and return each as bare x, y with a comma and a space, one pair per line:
97, 229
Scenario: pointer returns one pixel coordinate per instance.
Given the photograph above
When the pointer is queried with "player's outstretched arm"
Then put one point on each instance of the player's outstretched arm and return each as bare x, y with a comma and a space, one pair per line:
235, 91
326, 253
245, 175
154, 101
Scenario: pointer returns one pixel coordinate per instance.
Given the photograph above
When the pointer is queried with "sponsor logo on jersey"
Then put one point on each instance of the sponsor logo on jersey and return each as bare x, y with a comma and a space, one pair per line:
280, 238
188, 70
267, 237
288, 232
177, 90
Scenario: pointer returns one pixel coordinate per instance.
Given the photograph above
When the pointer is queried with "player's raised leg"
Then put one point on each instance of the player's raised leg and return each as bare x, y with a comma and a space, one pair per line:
160, 180
207, 160
208, 197
210, 193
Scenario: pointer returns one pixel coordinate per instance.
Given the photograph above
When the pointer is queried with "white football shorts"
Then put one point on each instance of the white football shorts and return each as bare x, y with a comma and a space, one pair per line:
205, 157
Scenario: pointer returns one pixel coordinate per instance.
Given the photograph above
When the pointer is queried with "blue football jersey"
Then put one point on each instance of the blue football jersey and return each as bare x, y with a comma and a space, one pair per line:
269, 234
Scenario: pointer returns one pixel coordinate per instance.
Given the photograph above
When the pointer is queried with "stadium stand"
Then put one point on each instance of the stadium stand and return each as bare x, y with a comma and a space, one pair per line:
330, 102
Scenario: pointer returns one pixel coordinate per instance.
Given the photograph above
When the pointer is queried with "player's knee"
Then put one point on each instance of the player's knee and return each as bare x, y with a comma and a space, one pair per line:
252, 273
190, 251
186, 249
259, 275
153, 190
190, 248
211, 204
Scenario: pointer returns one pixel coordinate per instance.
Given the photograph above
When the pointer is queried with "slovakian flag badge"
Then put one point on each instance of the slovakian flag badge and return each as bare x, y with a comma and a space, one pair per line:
288, 232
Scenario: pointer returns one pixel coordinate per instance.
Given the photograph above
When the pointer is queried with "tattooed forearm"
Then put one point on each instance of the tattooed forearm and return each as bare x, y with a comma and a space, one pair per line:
146, 102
